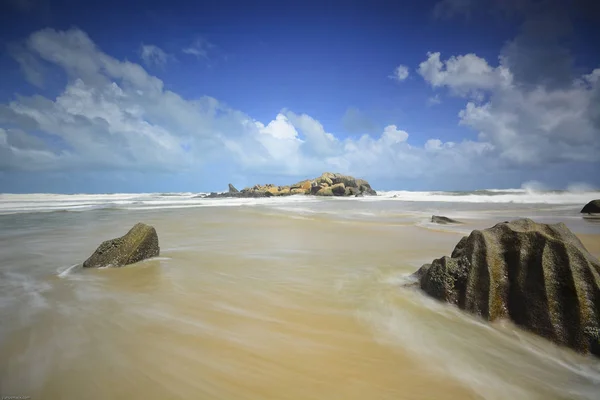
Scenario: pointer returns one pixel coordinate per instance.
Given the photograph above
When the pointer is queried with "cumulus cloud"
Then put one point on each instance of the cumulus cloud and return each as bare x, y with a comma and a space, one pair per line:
526, 126
464, 75
112, 115
153, 55
400, 73
532, 107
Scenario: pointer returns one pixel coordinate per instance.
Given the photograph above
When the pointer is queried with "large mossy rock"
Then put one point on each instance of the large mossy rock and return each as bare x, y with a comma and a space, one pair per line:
593, 207
324, 191
540, 276
140, 243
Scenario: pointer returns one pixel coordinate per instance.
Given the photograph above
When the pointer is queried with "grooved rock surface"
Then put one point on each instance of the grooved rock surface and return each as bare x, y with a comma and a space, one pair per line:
140, 243
540, 276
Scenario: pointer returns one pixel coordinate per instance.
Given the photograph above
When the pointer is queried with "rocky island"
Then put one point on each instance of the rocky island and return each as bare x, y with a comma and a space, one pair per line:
328, 184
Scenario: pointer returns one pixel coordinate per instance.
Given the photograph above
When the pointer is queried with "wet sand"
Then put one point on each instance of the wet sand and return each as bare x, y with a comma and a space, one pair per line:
260, 303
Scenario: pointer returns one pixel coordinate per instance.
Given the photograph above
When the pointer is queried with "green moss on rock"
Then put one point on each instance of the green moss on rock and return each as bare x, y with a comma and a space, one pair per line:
140, 243
540, 276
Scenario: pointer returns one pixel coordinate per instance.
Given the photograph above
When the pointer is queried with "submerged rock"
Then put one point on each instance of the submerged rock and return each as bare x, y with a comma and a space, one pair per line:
443, 220
593, 207
540, 276
140, 243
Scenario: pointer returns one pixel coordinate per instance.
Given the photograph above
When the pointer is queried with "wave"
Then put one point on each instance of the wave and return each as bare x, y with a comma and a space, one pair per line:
36, 203
529, 193
520, 196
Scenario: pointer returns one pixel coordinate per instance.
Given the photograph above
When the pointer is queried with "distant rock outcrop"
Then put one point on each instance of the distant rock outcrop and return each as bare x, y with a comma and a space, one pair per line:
593, 207
540, 276
443, 220
140, 243
328, 184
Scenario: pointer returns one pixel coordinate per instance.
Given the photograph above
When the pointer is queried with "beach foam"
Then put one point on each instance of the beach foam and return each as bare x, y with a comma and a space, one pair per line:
518, 196
44, 202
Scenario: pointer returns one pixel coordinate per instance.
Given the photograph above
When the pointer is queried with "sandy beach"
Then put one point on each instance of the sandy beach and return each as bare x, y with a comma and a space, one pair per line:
295, 298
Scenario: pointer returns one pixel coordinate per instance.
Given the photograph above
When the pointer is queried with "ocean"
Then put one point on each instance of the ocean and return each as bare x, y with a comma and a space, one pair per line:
271, 298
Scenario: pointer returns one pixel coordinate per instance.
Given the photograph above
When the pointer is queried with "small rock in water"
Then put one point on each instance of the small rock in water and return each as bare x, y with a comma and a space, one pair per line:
140, 243
539, 276
443, 220
593, 207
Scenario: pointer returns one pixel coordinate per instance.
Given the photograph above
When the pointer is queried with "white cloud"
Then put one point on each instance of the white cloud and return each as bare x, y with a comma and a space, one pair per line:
539, 126
433, 144
317, 141
400, 73
30, 65
113, 115
199, 48
525, 126
463, 75
593, 78
392, 135
153, 55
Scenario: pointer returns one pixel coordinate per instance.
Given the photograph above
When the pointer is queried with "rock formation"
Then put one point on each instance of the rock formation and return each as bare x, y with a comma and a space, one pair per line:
540, 276
328, 184
140, 243
443, 220
593, 207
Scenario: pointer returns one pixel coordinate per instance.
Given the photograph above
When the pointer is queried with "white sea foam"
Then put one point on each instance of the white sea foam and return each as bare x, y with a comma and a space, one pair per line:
42, 202
64, 272
517, 196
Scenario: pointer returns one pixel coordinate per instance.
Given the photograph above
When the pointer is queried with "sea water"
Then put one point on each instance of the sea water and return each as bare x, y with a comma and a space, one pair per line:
277, 298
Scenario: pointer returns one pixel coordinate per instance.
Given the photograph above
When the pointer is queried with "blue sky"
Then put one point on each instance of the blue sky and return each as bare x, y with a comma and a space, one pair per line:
188, 96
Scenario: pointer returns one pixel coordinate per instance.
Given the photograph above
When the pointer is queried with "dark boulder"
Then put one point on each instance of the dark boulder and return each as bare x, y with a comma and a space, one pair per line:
365, 188
443, 220
537, 275
593, 207
338, 189
232, 189
140, 243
